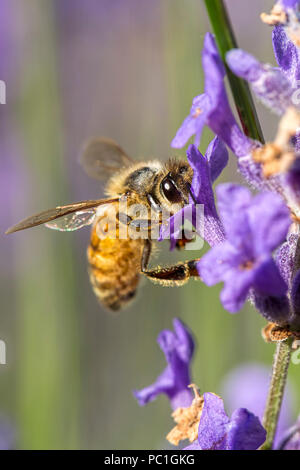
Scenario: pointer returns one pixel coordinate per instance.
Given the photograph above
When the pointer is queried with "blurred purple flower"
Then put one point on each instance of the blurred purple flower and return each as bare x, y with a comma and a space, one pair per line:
270, 84
178, 348
291, 438
212, 107
247, 386
243, 431
7, 435
206, 170
254, 226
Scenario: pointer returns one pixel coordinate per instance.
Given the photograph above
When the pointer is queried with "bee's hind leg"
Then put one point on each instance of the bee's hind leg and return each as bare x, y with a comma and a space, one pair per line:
175, 275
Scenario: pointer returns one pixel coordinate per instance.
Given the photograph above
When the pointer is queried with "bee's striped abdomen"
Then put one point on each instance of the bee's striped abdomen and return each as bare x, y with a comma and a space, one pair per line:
114, 268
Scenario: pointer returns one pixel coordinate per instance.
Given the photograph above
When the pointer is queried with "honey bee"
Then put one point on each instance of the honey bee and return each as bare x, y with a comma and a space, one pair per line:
115, 263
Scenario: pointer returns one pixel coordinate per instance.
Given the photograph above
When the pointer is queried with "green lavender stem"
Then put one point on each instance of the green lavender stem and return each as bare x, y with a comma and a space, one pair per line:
278, 380
240, 90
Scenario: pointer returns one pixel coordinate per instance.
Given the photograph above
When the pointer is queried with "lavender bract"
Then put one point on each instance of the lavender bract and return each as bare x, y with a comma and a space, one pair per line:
178, 348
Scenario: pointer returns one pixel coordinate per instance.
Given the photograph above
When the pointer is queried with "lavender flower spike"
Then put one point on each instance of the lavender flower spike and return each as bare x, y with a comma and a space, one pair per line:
243, 431
254, 227
212, 107
178, 348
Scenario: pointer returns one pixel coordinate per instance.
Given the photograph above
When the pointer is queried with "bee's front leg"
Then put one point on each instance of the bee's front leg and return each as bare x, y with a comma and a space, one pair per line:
181, 242
175, 275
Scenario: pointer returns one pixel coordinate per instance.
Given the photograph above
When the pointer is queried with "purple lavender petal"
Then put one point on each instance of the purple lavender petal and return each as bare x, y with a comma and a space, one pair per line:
268, 279
269, 84
233, 202
212, 107
232, 198
213, 423
237, 284
201, 183
164, 382
244, 65
172, 228
217, 157
269, 218
217, 432
220, 118
287, 54
245, 431
194, 123
185, 344
203, 194
221, 257
178, 347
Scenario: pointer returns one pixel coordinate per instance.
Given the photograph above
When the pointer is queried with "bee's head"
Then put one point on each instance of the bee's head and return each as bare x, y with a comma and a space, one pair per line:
176, 183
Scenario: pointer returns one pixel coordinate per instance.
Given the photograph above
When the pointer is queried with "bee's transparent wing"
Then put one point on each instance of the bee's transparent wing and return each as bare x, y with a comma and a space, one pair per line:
72, 222
102, 158
69, 217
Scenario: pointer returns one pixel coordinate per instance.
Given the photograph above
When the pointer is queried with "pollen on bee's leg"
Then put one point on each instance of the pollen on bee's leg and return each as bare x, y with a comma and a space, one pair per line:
187, 420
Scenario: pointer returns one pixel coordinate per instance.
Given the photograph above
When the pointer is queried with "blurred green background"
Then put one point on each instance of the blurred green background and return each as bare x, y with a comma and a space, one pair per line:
127, 69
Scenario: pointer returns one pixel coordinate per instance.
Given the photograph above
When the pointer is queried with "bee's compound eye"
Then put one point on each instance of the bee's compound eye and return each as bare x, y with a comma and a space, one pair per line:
170, 191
